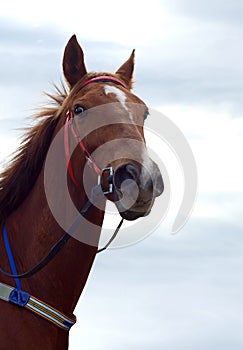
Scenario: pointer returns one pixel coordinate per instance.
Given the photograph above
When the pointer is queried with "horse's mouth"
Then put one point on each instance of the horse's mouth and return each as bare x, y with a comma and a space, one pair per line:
137, 211
132, 215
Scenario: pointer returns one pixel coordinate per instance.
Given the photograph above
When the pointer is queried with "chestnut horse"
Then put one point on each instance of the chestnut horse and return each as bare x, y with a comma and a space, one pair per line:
31, 189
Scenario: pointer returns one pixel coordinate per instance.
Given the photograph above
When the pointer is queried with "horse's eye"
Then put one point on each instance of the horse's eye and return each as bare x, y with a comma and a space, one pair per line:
78, 110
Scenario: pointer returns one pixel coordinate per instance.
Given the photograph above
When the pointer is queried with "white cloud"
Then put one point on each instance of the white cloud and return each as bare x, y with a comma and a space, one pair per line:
217, 142
127, 22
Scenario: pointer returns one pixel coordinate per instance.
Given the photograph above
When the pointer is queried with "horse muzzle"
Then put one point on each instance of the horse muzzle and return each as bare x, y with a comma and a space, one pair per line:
135, 189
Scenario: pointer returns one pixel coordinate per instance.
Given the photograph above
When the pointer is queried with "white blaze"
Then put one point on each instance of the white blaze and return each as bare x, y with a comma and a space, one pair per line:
121, 97
147, 168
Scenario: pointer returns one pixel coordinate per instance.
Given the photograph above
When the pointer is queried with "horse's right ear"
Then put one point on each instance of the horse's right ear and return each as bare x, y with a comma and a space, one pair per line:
73, 62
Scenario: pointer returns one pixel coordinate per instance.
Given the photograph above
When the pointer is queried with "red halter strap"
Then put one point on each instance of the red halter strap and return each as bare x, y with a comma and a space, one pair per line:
70, 123
104, 79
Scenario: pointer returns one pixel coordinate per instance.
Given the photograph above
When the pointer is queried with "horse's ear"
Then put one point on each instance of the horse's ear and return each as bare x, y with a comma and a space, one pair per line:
126, 70
73, 62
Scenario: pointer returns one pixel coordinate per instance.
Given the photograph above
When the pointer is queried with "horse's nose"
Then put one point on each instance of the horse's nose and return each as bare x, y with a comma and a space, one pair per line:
147, 181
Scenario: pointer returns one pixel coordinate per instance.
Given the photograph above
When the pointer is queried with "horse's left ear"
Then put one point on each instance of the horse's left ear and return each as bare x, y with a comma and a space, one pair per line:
73, 62
125, 72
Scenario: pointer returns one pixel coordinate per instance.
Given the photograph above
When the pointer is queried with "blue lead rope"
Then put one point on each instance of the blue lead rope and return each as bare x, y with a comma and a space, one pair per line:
23, 299
10, 257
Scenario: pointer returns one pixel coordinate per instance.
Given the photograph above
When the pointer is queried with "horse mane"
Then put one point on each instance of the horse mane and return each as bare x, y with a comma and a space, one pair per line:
19, 177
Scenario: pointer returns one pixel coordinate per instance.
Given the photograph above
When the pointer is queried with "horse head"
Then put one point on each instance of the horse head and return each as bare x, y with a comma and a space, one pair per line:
108, 119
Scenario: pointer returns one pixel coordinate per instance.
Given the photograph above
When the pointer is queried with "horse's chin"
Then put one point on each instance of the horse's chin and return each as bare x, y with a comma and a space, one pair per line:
135, 213
141, 208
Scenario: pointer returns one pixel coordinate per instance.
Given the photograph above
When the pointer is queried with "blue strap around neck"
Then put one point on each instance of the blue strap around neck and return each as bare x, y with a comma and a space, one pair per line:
10, 257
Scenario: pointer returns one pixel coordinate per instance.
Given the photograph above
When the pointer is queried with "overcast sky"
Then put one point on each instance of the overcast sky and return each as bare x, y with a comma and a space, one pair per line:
167, 292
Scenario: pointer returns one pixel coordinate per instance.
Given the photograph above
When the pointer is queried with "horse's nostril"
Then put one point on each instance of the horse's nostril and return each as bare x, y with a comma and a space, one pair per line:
148, 182
125, 172
132, 171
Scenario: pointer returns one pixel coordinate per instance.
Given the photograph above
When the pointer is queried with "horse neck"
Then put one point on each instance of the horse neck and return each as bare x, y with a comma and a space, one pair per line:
32, 232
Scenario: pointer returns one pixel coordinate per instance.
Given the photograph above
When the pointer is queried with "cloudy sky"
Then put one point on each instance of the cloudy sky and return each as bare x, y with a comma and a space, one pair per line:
168, 291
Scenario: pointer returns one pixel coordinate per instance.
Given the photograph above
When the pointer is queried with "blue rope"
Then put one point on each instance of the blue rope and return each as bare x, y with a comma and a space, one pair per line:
11, 258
